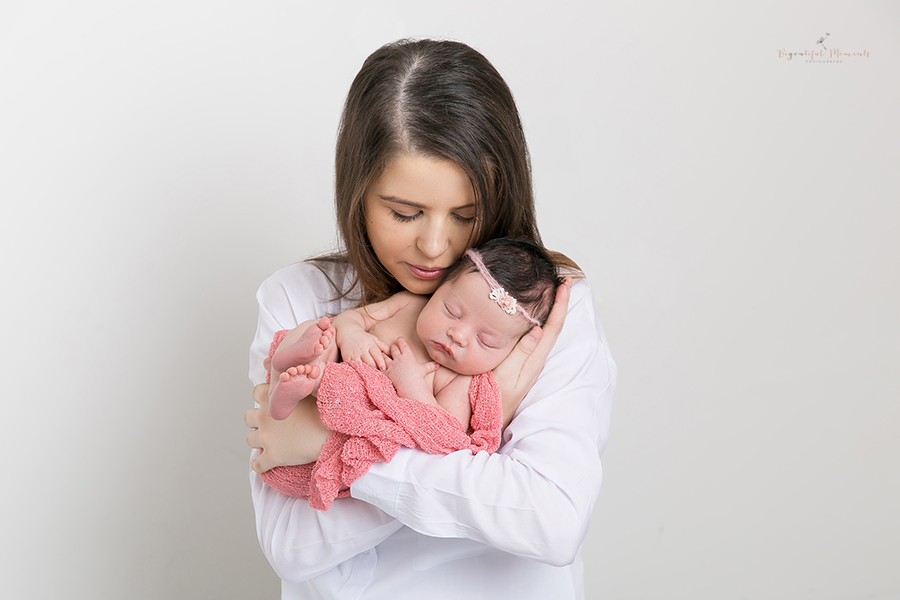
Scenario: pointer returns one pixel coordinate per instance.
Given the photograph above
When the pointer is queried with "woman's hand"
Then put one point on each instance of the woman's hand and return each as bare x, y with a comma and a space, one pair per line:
518, 371
294, 441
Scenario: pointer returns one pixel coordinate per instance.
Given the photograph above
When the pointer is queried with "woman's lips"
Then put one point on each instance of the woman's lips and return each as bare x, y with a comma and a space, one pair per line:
426, 272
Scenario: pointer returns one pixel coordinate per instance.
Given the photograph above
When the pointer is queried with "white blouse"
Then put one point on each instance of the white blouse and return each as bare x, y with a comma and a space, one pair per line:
506, 525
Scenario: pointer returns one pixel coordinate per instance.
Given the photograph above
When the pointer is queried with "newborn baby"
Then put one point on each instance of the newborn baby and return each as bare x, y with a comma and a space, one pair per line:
429, 348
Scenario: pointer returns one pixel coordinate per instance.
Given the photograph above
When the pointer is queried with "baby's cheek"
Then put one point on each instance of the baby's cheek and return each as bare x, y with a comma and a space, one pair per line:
490, 360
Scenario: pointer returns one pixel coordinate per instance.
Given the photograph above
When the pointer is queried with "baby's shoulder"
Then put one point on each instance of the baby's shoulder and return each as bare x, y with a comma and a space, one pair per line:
404, 304
410, 299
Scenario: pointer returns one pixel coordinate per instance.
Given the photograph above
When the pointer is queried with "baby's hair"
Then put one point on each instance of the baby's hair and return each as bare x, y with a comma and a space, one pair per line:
523, 268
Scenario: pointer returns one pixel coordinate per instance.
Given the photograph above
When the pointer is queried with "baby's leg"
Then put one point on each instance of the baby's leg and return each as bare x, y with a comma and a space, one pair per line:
303, 344
314, 347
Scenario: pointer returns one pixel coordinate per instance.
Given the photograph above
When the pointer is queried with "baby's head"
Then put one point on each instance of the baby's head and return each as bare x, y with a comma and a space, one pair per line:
486, 302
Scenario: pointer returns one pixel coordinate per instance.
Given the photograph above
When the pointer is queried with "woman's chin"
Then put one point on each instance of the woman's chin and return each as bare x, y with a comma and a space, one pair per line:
424, 287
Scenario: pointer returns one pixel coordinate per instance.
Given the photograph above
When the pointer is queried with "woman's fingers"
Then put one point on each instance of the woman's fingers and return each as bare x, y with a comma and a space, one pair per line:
260, 464
518, 372
261, 394
537, 347
251, 419
557, 316
253, 435
529, 343
296, 440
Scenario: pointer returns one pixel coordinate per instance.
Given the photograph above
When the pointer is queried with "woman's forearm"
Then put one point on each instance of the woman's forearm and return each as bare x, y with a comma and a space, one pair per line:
533, 498
300, 542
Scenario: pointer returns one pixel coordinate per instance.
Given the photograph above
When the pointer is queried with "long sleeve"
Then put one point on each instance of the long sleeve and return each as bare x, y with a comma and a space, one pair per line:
298, 541
464, 520
534, 497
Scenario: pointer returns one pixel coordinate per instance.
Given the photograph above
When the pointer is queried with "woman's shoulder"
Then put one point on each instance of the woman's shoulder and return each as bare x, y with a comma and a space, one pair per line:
309, 271
581, 303
582, 340
319, 282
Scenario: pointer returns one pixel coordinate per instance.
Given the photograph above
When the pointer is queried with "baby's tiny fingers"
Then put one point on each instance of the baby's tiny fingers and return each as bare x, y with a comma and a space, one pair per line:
378, 357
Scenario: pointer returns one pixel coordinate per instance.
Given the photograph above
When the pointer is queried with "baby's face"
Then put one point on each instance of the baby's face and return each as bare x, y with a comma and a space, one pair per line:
464, 330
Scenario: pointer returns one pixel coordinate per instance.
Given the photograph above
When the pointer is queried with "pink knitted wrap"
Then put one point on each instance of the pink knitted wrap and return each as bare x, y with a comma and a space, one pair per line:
369, 423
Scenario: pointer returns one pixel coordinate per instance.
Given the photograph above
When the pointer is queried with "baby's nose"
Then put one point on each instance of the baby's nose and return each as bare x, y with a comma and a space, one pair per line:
456, 336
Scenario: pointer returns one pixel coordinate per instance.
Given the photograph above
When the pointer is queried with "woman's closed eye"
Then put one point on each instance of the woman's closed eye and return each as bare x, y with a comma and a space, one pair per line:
463, 219
405, 218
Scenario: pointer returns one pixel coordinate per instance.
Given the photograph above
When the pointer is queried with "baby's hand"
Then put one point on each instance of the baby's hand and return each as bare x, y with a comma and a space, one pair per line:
366, 348
406, 372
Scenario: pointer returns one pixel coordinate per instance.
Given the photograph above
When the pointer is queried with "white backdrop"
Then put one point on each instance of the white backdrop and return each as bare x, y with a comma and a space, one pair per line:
736, 211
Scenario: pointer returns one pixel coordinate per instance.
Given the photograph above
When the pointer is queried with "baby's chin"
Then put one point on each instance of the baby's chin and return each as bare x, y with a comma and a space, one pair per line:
462, 368
467, 369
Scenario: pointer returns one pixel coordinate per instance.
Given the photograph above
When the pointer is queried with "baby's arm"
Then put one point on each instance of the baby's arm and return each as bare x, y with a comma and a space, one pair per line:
454, 398
409, 378
352, 326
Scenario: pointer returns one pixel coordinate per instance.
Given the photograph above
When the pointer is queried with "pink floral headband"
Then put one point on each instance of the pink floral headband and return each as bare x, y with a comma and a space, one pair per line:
509, 304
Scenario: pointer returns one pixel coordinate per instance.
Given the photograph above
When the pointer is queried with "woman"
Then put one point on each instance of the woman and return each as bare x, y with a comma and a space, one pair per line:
431, 159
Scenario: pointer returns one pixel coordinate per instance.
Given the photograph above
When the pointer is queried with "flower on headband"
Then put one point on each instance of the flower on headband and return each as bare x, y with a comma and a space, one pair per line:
506, 302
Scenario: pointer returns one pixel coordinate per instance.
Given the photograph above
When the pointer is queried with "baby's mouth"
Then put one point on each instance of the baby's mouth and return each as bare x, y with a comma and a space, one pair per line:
445, 349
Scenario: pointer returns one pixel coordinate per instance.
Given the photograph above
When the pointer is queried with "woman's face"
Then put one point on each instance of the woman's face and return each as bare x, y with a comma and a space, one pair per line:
419, 218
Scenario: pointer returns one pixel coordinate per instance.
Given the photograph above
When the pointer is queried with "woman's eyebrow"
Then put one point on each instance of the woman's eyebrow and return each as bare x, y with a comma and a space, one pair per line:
412, 204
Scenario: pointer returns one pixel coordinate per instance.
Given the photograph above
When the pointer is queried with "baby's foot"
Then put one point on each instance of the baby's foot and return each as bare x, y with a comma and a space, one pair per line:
292, 386
305, 349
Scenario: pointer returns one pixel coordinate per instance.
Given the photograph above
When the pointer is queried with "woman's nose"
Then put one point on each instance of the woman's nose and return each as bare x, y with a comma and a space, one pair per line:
433, 240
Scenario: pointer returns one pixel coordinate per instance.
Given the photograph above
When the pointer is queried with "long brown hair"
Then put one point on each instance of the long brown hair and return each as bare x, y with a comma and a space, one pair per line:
440, 99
